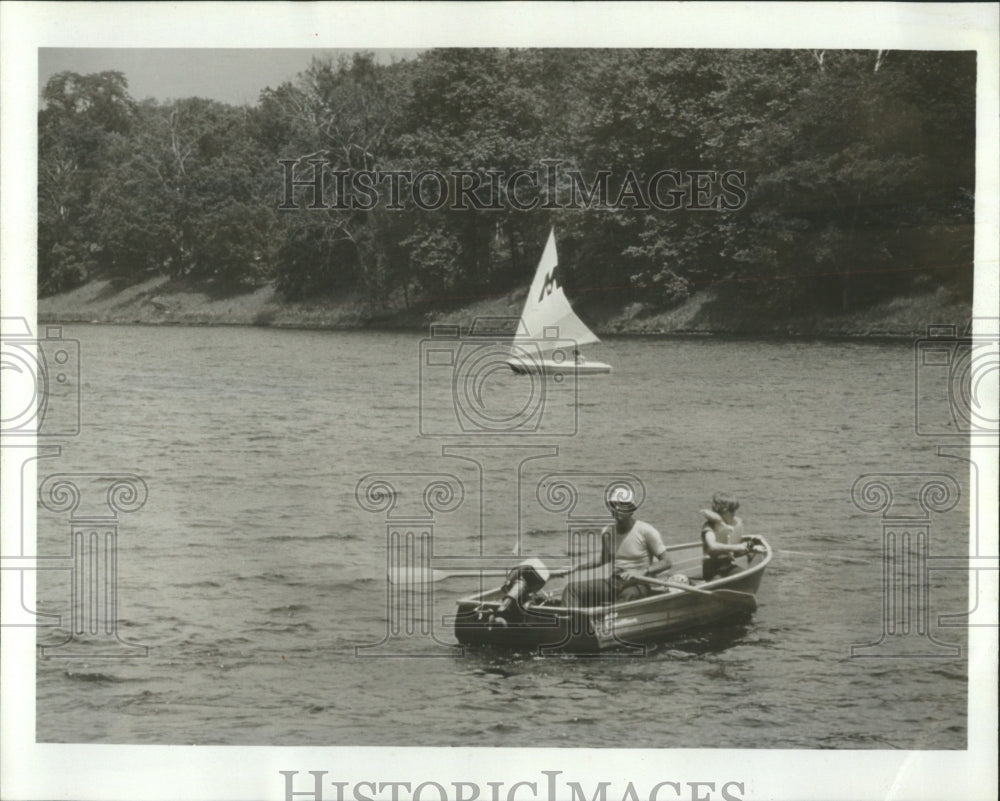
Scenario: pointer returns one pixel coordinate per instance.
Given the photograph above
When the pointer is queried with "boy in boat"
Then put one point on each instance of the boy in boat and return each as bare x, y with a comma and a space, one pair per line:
722, 537
629, 547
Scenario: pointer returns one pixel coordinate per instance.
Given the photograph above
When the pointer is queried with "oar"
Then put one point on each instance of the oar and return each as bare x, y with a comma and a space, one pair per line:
744, 599
827, 556
428, 575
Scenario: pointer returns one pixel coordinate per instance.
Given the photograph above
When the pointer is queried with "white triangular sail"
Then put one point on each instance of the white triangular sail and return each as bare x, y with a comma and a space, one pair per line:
547, 315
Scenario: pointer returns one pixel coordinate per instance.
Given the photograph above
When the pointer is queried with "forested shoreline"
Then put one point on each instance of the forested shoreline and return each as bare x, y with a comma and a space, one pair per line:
854, 181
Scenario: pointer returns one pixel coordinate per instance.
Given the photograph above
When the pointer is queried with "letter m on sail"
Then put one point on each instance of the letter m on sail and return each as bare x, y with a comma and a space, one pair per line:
551, 282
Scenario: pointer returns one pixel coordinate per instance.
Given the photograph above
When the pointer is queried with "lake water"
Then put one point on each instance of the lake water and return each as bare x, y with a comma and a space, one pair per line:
255, 575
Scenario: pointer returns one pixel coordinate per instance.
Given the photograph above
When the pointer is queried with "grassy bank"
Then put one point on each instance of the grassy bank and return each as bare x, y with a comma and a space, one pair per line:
161, 301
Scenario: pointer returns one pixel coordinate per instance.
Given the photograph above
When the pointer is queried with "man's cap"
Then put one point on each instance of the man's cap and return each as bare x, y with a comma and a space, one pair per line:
622, 499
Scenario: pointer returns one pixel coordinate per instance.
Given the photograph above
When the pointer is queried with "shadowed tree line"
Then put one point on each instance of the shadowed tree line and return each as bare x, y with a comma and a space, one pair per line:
859, 177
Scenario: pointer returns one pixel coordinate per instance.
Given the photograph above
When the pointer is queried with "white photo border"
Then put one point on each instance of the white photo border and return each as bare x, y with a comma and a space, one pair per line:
37, 771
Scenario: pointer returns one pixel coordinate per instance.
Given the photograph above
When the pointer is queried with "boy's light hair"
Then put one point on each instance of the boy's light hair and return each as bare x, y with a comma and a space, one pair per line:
724, 502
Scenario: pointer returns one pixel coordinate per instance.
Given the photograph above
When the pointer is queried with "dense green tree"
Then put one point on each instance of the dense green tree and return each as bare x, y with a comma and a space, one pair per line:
840, 168
340, 116
182, 196
83, 118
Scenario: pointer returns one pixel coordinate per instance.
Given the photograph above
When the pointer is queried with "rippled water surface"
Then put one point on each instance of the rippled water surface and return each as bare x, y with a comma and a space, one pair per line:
257, 579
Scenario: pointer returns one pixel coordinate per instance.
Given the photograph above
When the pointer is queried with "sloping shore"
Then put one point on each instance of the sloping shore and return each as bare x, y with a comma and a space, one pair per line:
161, 301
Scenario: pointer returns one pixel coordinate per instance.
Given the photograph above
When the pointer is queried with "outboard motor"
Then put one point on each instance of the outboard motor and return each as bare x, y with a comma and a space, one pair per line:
527, 578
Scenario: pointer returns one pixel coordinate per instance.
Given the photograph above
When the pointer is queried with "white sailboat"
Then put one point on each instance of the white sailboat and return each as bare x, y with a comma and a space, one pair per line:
549, 334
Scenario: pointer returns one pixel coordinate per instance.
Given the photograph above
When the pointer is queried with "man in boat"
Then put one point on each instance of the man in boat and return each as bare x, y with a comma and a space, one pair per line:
629, 547
722, 537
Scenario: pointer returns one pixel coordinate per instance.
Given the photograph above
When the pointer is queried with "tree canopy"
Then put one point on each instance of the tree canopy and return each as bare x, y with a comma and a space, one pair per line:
813, 180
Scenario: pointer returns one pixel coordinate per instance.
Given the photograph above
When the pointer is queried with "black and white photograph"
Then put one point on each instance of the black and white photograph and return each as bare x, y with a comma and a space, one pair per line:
500, 402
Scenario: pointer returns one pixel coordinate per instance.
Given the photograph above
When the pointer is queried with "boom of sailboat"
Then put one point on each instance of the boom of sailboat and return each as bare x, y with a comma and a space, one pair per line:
549, 333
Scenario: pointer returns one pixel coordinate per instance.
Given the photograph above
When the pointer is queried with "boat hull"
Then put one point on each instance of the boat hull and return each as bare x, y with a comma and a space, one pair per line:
628, 625
550, 367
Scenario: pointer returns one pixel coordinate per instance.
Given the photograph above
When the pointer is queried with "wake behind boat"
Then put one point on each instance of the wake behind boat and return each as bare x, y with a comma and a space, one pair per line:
549, 333
525, 613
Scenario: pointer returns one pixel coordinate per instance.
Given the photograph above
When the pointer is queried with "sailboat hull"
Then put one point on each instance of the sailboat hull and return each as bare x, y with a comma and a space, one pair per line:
550, 367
